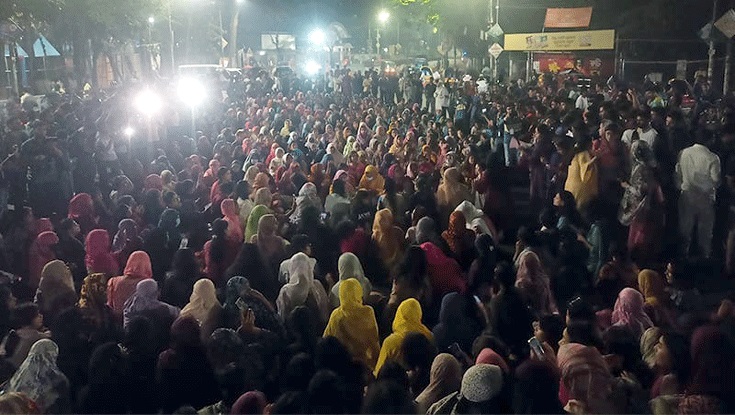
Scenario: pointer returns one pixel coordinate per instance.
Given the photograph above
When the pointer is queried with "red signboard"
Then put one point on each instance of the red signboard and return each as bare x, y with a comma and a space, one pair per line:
568, 18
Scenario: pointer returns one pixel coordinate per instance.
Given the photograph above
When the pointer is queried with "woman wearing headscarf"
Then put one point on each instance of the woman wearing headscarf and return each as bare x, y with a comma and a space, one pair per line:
349, 146
184, 375
337, 157
629, 312
40, 254
210, 175
489, 356
477, 221
40, 379
461, 240
204, 307
445, 274
641, 207
657, 303
458, 323
586, 383
119, 289
154, 182
55, 290
319, 179
307, 197
250, 175
372, 180
144, 303
445, 378
252, 227
81, 210
94, 309
303, 289
348, 266
219, 253
649, 340
388, 238
407, 320
271, 246
478, 393
229, 212
711, 388
451, 193
99, 257
126, 241
238, 290
534, 285
354, 325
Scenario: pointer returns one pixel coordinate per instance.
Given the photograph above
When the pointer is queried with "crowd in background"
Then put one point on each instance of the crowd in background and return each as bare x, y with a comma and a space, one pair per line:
358, 246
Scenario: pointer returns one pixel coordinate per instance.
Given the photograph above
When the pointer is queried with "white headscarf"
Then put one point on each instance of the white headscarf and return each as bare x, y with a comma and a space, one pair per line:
301, 284
39, 377
348, 267
202, 300
475, 220
337, 156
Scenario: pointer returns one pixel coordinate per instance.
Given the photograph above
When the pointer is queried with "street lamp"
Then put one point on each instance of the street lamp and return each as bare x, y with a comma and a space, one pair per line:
147, 102
317, 37
151, 20
383, 17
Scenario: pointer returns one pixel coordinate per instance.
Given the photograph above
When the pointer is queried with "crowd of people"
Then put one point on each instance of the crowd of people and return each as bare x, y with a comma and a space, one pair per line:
341, 250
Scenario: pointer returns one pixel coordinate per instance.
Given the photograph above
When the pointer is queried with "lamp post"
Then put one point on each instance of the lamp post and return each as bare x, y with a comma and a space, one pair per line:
234, 23
383, 17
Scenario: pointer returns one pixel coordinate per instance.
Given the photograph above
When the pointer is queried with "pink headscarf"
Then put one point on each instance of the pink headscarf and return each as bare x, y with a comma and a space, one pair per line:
234, 228
445, 273
490, 357
629, 312
153, 181
41, 225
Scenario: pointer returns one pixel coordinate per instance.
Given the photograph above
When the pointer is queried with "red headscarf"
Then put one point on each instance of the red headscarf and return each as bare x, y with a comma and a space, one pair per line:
99, 257
457, 232
81, 205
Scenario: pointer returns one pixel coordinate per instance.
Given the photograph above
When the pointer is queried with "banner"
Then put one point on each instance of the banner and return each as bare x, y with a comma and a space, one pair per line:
561, 41
589, 65
568, 18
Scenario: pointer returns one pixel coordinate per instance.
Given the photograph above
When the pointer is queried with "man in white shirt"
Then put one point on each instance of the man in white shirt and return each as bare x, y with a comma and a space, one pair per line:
644, 131
697, 176
582, 103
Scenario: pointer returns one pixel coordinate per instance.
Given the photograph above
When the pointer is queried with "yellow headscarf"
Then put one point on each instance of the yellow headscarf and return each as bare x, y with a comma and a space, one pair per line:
651, 285
407, 320
389, 242
372, 180
354, 325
